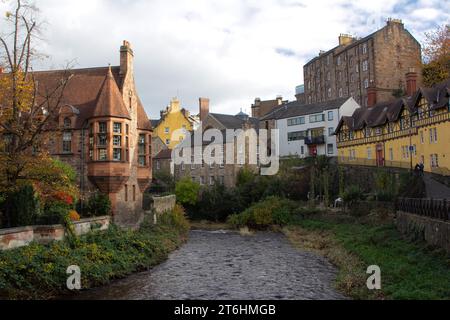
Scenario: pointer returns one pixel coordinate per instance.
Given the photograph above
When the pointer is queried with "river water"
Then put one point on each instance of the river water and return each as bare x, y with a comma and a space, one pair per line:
223, 265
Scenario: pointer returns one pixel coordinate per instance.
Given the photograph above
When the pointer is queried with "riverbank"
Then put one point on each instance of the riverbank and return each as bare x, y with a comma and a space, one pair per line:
409, 270
39, 272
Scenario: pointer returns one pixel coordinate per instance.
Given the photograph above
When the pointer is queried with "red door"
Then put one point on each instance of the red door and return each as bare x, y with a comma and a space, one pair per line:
380, 158
313, 151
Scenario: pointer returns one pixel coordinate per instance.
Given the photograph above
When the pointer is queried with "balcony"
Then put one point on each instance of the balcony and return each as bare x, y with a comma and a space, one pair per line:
315, 140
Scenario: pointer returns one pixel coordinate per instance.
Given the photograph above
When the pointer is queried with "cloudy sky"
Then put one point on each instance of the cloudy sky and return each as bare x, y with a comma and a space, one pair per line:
230, 50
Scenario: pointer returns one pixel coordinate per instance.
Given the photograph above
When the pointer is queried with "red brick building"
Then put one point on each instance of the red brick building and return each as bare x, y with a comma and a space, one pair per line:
105, 134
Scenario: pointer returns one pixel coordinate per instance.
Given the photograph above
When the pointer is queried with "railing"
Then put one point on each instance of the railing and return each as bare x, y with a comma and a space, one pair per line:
315, 140
374, 162
431, 208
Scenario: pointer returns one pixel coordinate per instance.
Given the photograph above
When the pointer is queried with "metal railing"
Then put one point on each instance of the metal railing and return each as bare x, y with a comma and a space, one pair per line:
431, 208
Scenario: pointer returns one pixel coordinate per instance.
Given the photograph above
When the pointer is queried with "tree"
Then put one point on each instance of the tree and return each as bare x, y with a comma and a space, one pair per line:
187, 192
27, 112
437, 56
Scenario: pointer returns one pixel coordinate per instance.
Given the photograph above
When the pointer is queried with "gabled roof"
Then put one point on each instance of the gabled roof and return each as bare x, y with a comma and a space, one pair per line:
143, 122
296, 108
164, 154
110, 102
233, 122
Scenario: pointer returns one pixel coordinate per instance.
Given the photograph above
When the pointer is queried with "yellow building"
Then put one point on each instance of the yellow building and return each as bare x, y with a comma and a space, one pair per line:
172, 119
400, 133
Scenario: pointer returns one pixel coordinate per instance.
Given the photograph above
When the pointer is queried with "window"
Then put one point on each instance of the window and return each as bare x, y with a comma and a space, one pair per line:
378, 131
357, 68
365, 65
167, 141
422, 140
117, 128
67, 142
126, 193
329, 92
117, 141
330, 132
142, 148
330, 148
434, 158
296, 136
102, 128
330, 115
369, 153
328, 76
102, 155
341, 93
183, 166
302, 150
158, 165
296, 121
391, 154
167, 130
364, 48
202, 180
317, 118
222, 180
117, 154
328, 60
211, 181
433, 135
102, 140
338, 61
366, 83
67, 123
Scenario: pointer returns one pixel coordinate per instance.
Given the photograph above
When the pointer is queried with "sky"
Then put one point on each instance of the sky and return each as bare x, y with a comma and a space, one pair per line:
230, 51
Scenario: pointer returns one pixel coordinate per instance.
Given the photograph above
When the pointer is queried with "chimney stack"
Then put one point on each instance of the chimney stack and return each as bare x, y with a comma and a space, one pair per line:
371, 96
411, 82
345, 39
204, 108
126, 59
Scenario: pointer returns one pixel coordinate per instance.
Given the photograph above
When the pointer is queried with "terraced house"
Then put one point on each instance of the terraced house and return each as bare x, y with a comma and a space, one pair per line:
400, 133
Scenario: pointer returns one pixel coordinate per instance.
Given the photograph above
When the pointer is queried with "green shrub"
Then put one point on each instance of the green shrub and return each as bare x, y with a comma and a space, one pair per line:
21, 208
53, 213
99, 205
352, 195
271, 211
187, 192
176, 218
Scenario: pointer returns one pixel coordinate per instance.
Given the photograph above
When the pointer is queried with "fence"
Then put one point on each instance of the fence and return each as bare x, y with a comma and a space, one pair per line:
431, 208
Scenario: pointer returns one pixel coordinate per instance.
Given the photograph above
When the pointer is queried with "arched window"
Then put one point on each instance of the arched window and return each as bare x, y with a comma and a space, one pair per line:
67, 123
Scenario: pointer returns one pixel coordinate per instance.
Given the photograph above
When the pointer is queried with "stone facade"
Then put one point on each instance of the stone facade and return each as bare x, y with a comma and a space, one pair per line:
261, 108
434, 232
379, 60
104, 133
20, 237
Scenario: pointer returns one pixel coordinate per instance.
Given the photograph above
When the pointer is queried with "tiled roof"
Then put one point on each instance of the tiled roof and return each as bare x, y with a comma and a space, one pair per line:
233, 122
164, 154
384, 112
110, 102
295, 109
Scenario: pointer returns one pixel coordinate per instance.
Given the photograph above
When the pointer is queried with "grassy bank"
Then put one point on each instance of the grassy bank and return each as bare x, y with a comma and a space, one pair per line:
39, 272
409, 270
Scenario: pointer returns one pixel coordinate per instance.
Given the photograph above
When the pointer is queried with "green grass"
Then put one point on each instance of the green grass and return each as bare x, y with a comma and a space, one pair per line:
39, 272
409, 270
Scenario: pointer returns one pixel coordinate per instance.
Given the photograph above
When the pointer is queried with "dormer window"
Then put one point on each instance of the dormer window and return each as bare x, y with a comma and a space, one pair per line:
67, 123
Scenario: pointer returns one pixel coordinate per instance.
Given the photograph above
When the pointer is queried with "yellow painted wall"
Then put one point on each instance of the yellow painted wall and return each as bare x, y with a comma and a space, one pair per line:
174, 120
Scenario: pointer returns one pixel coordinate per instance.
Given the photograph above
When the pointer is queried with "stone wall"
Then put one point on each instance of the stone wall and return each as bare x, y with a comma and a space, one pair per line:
20, 237
434, 232
163, 204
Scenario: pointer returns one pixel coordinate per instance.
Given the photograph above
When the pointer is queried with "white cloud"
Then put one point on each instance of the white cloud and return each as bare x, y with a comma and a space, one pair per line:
230, 51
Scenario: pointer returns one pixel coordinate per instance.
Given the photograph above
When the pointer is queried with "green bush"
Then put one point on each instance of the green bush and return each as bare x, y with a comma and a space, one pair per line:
54, 213
187, 192
271, 211
99, 205
352, 195
21, 208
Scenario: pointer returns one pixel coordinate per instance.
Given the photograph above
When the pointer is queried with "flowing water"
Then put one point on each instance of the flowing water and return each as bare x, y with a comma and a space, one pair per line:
223, 265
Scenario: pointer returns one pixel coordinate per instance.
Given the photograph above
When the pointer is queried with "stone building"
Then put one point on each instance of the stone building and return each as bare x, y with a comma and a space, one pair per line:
260, 108
162, 163
104, 133
379, 60
209, 174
